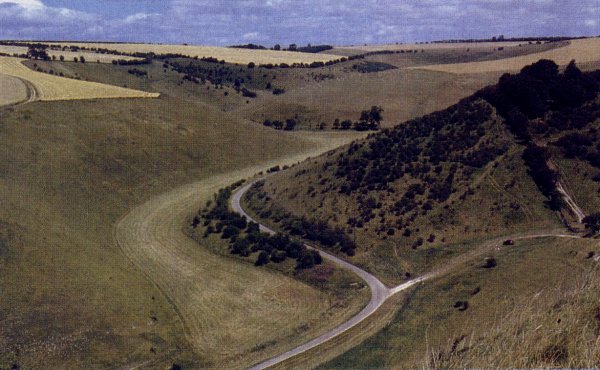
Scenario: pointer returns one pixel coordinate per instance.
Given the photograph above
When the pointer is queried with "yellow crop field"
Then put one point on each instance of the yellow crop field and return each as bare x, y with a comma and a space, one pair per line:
582, 51
69, 55
49, 87
12, 90
230, 55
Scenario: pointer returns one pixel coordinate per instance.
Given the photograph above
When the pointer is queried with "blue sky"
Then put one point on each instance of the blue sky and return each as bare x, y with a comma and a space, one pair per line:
341, 22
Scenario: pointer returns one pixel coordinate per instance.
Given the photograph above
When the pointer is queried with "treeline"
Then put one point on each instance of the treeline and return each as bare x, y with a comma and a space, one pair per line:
310, 229
539, 99
245, 238
219, 74
501, 38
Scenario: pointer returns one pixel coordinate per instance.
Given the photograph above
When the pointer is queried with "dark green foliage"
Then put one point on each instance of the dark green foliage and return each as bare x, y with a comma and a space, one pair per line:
592, 222
263, 259
289, 124
138, 72
545, 178
372, 67
246, 238
453, 135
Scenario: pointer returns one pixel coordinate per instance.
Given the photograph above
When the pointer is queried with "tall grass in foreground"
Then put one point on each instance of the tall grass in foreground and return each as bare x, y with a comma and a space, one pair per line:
557, 327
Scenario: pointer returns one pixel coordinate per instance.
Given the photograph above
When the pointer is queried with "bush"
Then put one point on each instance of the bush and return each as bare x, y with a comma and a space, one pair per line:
263, 259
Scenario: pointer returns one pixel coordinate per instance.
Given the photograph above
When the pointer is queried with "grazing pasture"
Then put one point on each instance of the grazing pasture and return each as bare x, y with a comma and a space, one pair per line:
48, 87
230, 55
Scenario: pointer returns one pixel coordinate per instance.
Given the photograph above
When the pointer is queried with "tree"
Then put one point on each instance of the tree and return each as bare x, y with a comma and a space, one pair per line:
290, 124
82, 59
373, 116
293, 47
277, 47
592, 222
345, 125
62, 58
263, 259
251, 65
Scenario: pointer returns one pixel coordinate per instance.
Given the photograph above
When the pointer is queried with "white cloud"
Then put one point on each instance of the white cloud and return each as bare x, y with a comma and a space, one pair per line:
251, 36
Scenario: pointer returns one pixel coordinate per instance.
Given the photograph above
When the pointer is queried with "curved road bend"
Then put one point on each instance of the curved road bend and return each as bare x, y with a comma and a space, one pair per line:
379, 292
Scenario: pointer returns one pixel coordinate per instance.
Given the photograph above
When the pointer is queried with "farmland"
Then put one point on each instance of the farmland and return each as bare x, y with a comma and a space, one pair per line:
582, 50
13, 90
49, 88
230, 55
101, 196
68, 55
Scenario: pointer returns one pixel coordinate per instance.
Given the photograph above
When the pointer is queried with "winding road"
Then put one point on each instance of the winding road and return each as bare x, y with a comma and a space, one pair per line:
379, 292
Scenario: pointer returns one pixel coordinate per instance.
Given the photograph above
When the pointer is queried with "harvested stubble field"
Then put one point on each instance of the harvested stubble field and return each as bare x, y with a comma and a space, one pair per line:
230, 55
69, 55
12, 90
582, 51
49, 87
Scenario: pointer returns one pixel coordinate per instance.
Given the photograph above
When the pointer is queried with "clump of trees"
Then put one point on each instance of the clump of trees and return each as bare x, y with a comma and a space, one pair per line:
333, 238
137, 72
245, 238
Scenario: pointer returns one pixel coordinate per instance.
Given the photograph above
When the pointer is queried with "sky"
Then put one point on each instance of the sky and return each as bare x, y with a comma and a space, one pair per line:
269, 22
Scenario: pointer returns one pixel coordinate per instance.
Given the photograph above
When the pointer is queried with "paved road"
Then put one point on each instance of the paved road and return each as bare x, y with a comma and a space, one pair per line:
379, 292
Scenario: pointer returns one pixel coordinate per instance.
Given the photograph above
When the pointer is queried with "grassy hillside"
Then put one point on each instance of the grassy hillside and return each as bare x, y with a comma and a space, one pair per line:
520, 313
69, 172
312, 96
409, 195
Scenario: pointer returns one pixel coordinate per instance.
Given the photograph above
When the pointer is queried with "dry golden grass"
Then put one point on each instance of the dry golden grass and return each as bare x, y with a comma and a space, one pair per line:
512, 320
49, 87
235, 314
556, 327
583, 51
69, 55
230, 55
12, 90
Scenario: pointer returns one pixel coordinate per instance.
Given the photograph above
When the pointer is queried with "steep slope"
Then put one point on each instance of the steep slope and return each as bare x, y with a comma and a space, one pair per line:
415, 194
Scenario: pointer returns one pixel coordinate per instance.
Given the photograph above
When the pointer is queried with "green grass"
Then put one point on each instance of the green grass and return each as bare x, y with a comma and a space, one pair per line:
428, 323
69, 171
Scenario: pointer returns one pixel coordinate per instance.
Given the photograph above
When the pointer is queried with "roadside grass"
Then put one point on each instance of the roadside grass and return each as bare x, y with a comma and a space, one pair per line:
69, 171
534, 275
12, 90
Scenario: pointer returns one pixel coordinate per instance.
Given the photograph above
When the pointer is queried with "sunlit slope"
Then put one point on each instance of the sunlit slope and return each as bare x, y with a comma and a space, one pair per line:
49, 87
582, 51
230, 55
12, 90
68, 55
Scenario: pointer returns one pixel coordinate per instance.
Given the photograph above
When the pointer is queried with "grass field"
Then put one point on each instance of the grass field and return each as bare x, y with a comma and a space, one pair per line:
12, 90
581, 50
50, 87
542, 277
230, 55
90, 57
70, 170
